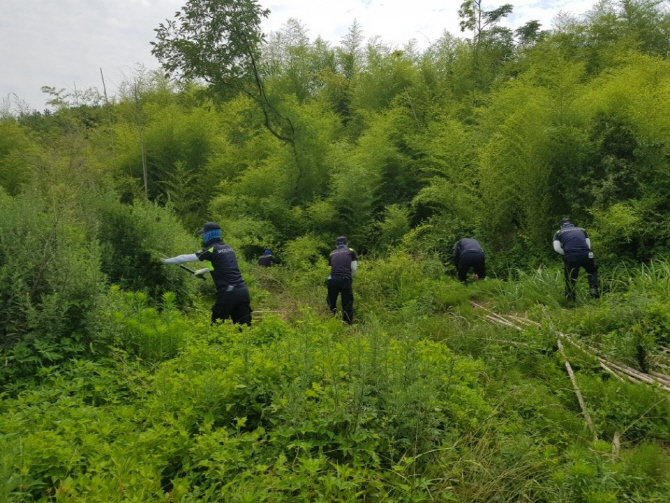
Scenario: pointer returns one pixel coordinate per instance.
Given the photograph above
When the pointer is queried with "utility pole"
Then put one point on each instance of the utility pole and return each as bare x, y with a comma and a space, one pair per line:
141, 128
109, 116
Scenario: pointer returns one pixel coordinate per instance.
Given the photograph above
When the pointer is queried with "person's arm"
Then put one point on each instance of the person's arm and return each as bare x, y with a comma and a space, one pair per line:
455, 254
181, 259
558, 247
275, 260
354, 262
587, 239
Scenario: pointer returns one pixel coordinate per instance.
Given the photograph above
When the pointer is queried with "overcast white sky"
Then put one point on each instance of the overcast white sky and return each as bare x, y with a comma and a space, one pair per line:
64, 43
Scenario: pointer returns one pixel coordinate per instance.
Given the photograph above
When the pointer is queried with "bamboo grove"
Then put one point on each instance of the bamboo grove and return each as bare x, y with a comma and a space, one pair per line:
115, 387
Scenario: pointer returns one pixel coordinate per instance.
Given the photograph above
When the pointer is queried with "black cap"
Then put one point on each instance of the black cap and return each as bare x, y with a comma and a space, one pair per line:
342, 240
209, 226
566, 221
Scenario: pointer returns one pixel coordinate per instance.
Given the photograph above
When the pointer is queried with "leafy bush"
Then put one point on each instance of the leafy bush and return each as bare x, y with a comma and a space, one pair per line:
133, 240
304, 252
51, 287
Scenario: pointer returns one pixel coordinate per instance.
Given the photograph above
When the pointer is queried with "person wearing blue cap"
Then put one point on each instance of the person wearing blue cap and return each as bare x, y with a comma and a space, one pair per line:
575, 246
232, 294
267, 259
343, 264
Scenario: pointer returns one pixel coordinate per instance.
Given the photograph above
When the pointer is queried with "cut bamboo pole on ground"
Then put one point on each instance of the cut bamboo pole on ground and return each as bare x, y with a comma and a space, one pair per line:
660, 377
631, 373
525, 321
615, 374
507, 319
618, 370
580, 398
616, 444
506, 323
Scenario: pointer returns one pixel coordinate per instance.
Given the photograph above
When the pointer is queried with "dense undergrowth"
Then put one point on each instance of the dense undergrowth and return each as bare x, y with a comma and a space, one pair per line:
115, 388
421, 400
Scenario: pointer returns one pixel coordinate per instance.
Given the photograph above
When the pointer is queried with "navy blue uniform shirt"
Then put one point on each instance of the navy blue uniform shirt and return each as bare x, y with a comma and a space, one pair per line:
340, 261
466, 246
222, 263
573, 240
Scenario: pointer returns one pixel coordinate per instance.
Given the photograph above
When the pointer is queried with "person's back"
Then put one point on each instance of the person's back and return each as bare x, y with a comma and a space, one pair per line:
574, 240
343, 264
468, 245
468, 254
575, 245
267, 259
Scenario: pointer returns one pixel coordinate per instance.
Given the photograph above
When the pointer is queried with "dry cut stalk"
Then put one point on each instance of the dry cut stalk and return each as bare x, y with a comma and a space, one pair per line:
638, 375
660, 377
615, 374
497, 318
525, 321
500, 321
629, 372
580, 398
616, 444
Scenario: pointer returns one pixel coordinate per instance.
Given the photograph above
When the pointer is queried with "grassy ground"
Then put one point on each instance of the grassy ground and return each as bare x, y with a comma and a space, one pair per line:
423, 399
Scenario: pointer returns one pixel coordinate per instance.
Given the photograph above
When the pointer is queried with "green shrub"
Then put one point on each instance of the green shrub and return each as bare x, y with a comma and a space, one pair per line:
133, 240
51, 287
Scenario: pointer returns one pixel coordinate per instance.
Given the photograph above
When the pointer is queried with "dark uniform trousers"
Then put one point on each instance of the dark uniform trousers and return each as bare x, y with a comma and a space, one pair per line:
475, 260
571, 271
234, 303
341, 285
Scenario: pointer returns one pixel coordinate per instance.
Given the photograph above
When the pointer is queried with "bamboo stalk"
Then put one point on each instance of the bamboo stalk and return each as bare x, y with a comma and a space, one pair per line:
498, 316
611, 372
506, 321
580, 398
660, 377
628, 371
639, 375
513, 343
616, 444
502, 322
525, 321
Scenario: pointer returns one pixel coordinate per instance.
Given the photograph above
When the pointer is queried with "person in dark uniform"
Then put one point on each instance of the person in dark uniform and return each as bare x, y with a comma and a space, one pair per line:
575, 246
232, 294
267, 259
343, 264
468, 254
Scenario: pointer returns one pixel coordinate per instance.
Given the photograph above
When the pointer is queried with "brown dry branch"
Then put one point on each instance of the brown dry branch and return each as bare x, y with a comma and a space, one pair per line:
616, 444
615, 374
525, 321
578, 393
504, 322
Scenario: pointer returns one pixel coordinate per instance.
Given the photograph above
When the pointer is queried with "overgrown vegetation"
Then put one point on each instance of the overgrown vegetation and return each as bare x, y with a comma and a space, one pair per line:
115, 388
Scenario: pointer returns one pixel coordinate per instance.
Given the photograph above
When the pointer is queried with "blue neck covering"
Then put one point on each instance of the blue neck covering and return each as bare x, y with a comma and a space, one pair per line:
213, 235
